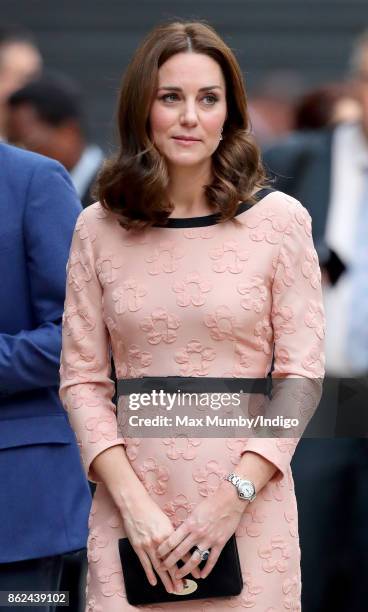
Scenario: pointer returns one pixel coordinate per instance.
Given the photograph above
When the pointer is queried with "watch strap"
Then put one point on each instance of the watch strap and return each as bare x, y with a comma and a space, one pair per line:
237, 480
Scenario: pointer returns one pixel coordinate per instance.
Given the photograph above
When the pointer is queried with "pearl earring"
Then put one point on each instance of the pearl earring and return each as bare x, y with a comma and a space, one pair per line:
221, 136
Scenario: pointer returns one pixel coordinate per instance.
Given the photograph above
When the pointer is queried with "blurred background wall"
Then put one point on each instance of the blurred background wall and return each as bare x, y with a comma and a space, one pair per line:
92, 41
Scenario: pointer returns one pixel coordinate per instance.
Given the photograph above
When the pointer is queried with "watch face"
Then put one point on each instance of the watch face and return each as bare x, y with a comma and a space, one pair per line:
246, 490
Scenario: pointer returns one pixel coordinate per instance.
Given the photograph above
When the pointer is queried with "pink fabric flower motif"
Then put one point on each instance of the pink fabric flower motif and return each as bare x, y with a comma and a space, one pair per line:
258, 404
83, 396
138, 361
267, 226
273, 491
315, 318
195, 359
304, 219
223, 324
164, 258
120, 355
250, 524
122, 417
314, 362
179, 509
209, 477
275, 556
161, 326
154, 476
191, 290
286, 445
242, 362
291, 521
229, 257
311, 269
78, 269
264, 335
181, 448
132, 448
111, 578
291, 588
248, 596
92, 606
282, 318
99, 428
203, 233
243, 359
81, 228
77, 322
255, 293
282, 356
111, 324
237, 447
285, 276
106, 267
80, 365
302, 398
96, 542
128, 296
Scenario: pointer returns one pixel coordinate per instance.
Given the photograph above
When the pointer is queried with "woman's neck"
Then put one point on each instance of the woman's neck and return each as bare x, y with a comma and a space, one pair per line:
186, 191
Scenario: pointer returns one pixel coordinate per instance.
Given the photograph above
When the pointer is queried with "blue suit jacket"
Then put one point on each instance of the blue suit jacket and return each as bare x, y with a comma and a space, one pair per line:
44, 496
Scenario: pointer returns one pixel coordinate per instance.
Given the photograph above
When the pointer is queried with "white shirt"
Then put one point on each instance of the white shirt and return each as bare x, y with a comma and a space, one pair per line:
349, 158
86, 168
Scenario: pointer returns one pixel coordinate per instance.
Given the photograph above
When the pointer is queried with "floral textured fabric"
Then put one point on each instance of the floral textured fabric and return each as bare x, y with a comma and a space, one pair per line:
208, 301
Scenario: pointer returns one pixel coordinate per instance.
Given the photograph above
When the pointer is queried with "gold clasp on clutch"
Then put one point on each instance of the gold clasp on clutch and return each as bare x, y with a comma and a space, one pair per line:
189, 587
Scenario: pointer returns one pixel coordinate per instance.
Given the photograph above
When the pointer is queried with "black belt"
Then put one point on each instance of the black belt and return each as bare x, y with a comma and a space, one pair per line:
193, 384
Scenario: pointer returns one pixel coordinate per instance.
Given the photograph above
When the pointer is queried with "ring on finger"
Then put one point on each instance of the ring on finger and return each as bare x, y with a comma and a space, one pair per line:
203, 553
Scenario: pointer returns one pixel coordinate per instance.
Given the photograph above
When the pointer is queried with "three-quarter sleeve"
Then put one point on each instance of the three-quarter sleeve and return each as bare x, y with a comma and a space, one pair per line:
298, 324
86, 389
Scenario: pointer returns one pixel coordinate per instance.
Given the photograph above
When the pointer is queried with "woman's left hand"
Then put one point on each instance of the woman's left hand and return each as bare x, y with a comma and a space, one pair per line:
209, 526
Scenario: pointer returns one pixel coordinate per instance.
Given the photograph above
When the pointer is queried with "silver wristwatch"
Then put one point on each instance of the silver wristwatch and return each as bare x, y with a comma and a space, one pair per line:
246, 489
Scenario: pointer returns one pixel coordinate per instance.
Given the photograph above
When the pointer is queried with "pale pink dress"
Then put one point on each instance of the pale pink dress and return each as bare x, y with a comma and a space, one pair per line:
205, 301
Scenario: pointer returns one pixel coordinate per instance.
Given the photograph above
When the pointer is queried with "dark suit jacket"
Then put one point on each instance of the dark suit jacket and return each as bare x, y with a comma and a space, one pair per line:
44, 496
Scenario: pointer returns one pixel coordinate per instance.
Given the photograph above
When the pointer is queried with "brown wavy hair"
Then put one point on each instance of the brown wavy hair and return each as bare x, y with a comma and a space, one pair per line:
133, 184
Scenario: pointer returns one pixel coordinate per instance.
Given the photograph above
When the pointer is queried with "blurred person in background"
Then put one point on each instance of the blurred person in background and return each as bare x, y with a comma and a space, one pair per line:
327, 106
45, 500
272, 105
328, 170
45, 116
20, 61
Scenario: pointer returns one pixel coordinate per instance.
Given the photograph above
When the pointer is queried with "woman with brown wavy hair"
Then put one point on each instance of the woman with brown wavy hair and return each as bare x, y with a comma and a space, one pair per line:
190, 270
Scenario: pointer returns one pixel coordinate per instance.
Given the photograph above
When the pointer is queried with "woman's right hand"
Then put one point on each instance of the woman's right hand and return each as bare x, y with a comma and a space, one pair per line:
147, 526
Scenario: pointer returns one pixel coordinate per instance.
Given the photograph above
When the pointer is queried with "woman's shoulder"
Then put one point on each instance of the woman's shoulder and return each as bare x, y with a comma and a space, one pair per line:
283, 203
279, 207
95, 213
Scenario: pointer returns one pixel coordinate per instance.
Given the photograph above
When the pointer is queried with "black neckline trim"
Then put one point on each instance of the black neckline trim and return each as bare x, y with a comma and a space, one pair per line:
205, 220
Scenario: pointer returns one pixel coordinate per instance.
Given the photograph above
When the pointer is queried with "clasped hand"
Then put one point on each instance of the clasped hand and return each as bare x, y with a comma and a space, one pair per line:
209, 526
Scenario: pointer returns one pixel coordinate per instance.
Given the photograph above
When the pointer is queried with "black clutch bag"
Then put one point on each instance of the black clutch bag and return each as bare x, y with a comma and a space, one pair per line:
225, 580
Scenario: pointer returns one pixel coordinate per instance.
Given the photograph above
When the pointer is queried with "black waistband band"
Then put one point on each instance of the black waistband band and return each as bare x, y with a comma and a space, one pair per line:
193, 384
